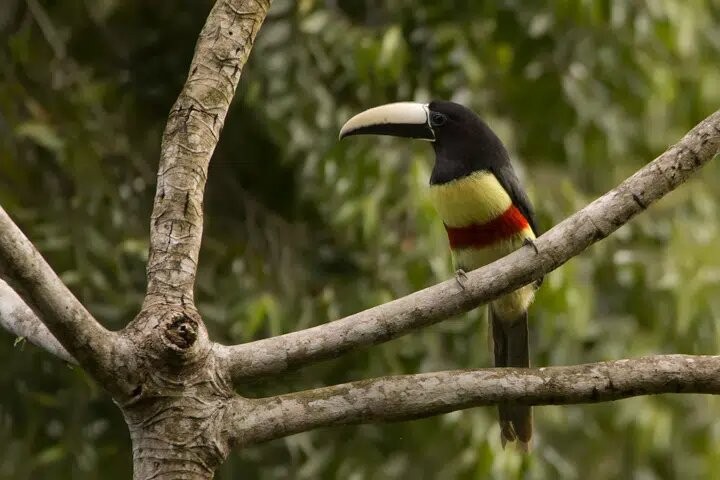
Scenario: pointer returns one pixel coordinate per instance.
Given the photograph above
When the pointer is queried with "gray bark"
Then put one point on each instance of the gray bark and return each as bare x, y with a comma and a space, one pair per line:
392, 399
190, 137
174, 385
175, 409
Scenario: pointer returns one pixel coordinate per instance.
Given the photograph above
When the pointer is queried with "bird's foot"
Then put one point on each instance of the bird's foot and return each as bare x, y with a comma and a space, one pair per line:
461, 277
531, 242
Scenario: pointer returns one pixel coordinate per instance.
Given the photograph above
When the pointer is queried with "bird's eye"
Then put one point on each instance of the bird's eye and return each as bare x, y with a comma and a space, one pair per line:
437, 119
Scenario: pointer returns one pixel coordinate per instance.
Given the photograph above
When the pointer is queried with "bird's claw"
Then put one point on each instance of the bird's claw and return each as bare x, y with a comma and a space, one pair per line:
531, 242
461, 277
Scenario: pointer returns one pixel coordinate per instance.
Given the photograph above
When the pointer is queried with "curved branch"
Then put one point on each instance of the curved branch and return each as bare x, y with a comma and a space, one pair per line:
190, 137
567, 239
97, 350
406, 397
18, 319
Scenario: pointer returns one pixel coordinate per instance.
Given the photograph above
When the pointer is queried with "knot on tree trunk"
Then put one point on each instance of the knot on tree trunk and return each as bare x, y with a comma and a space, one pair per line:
172, 339
183, 339
181, 331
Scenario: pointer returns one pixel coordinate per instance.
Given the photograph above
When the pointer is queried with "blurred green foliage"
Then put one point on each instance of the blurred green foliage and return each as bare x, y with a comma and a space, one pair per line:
302, 229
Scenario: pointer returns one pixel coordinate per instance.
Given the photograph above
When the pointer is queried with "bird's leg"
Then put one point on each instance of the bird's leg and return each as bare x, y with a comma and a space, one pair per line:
531, 242
461, 278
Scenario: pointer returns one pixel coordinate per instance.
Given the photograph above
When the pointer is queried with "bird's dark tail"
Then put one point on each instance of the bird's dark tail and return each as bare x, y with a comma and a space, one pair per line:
511, 349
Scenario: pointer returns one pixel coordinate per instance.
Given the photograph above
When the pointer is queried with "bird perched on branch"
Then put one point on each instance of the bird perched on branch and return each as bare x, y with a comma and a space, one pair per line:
486, 213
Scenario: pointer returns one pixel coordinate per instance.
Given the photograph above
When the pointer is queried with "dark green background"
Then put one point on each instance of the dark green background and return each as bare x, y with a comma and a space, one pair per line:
301, 229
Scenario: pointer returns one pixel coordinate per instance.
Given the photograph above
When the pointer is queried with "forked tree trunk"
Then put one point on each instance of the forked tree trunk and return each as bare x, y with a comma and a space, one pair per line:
175, 386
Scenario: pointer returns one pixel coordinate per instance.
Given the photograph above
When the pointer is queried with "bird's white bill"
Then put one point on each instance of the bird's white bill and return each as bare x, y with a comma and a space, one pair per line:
373, 120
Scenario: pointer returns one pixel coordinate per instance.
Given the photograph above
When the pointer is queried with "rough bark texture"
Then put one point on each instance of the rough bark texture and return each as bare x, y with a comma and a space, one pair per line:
190, 137
173, 384
567, 239
175, 422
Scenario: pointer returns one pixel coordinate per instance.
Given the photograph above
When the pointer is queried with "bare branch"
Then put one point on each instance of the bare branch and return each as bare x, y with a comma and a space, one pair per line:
190, 137
406, 397
561, 243
18, 319
96, 349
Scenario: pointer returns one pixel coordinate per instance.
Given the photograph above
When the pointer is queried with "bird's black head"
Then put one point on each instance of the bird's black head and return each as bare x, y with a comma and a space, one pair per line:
463, 142
450, 119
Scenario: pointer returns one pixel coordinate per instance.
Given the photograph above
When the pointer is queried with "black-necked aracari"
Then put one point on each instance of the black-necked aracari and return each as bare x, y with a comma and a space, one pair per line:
486, 214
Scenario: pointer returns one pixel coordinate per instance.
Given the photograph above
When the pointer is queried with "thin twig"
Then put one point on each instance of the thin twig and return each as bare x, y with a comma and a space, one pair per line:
18, 319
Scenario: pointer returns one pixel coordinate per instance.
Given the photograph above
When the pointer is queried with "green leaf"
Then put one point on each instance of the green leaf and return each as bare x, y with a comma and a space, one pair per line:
41, 134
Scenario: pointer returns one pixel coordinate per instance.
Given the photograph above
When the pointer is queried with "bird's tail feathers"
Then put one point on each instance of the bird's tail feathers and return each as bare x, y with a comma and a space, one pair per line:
511, 349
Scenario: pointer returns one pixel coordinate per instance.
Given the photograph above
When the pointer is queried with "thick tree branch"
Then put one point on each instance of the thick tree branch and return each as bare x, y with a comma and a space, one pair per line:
406, 397
96, 349
567, 239
18, 319
190, 137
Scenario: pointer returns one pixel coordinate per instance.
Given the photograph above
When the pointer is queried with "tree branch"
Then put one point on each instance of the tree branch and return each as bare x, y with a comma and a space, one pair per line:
18, 319
407, 397
567, 239
190, 137
96, 349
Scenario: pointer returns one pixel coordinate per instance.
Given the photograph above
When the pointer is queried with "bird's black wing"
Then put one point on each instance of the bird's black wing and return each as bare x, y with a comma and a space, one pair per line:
509, 181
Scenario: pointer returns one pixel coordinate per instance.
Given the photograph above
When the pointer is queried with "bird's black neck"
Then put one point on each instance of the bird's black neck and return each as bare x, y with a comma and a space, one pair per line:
448, 167
459, 157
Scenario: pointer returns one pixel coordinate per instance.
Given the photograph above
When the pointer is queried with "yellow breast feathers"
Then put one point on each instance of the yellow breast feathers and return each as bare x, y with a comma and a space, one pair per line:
475, 199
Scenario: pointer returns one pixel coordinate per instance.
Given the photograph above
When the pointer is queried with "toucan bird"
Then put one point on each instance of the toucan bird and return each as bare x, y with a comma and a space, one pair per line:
486, 214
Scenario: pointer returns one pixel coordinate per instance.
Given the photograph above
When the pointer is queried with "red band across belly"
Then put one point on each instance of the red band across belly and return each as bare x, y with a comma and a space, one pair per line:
510, 223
